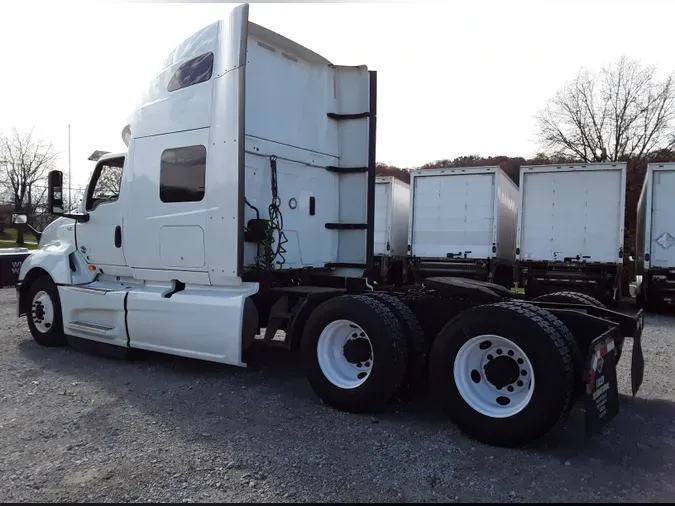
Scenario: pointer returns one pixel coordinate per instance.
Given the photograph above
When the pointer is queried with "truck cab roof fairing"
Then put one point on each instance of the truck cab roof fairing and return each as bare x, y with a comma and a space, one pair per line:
229, 54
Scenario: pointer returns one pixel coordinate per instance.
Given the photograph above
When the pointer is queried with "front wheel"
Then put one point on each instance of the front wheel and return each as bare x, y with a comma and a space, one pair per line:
44, 315
355, 354
503, 372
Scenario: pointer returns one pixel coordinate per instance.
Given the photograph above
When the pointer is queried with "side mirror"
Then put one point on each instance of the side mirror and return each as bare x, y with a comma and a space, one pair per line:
55, 192
55, 197
19, 219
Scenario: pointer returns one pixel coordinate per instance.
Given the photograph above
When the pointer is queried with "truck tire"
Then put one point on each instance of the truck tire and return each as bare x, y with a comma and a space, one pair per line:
503, 372
354, 353
576, 298
568, 337
418, 349
44, 315
570, 298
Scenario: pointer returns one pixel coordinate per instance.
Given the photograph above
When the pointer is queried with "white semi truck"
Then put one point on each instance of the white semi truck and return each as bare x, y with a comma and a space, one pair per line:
571, 229
655, 238
245, 201
463, 223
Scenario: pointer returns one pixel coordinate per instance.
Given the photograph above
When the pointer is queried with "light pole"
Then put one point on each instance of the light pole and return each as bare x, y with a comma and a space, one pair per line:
70, 184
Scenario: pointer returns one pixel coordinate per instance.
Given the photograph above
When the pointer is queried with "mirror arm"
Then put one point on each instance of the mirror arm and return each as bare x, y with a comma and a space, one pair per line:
79, 217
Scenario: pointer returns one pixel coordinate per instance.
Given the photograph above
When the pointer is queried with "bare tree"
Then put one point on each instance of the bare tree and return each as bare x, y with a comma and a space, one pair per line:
24, 163
622, 112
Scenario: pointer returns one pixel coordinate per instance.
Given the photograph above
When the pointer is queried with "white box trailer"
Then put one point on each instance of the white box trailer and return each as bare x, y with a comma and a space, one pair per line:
571, 228
655, 237
463, 223
390, 243
392, 208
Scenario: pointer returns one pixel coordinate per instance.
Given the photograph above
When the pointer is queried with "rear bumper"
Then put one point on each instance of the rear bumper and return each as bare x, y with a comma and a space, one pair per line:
566, 272
658, 285
479, 269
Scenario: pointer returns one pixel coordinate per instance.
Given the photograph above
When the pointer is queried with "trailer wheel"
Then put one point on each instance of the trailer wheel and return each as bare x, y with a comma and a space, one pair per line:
418, 349
355, 354
44, 314
503, 372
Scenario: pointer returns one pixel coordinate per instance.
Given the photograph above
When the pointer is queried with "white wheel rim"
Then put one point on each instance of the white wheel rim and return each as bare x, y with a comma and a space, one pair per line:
42, 312
341, 352
505, 387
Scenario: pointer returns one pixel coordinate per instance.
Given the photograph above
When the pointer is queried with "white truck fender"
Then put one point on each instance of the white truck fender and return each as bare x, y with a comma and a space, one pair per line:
56, 251
53, 260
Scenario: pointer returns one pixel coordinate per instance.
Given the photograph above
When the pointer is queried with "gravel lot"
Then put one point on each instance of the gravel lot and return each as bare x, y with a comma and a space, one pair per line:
77, 427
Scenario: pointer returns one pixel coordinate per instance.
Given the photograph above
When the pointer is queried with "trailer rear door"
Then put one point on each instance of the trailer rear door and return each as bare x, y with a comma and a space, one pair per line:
453, 214
663, 219
570, 213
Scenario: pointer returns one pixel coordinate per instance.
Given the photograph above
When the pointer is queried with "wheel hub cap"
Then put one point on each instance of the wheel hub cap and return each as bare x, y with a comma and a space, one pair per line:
356, 350
494, 376
502, 371
42, 312
345, 354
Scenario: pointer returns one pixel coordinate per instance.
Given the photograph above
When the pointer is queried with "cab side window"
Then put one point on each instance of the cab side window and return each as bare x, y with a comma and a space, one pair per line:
106, 187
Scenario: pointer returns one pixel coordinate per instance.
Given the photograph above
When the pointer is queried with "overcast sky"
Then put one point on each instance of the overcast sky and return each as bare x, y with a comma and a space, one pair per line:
454, 78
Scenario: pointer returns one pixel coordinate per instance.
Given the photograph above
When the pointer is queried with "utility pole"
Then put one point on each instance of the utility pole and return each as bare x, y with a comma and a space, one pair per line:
70, 184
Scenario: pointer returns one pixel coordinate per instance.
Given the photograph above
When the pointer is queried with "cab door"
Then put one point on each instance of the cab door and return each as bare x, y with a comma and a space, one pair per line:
100, 238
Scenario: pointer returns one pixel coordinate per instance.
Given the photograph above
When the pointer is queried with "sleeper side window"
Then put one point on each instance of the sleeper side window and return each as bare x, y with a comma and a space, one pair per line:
194, 71
183, 174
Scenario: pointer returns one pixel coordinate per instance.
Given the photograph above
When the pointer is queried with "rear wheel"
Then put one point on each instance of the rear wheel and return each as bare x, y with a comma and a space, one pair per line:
44, 315
575, 298
568, 337
418, 350
355, 354
570, 298
503, 372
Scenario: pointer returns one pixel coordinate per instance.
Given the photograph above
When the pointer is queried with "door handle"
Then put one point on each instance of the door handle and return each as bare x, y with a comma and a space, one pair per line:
118, 236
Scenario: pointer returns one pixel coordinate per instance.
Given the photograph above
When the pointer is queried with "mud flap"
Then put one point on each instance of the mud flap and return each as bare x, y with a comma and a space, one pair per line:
602, 392
637, 366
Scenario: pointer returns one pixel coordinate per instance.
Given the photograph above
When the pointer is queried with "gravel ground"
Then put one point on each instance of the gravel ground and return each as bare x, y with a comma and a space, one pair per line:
77, 427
